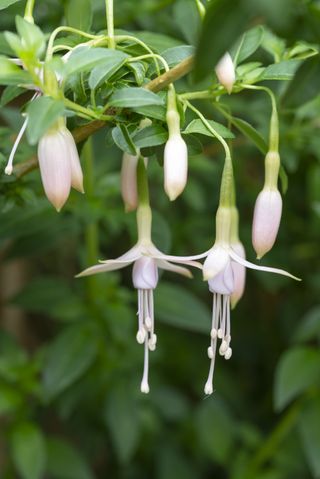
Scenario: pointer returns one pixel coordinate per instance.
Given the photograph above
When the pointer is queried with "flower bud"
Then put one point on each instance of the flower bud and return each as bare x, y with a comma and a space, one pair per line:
239, 274
266, 220
225, 72
55, 167
175, 166
129, 181
76, 170
145, 273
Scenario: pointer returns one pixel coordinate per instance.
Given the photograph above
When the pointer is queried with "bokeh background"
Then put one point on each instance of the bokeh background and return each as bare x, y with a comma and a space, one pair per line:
70, 368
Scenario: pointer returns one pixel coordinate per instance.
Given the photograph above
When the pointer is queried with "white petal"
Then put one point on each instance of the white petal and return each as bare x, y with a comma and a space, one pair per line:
247, 264
131, 255
174, 268
223, 282
111, 265
145, 273
216, 261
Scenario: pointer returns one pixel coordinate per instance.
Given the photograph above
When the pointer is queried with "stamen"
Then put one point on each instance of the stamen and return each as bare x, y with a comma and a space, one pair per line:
141, 334
144, 383
228, 353
208, 388
9, 168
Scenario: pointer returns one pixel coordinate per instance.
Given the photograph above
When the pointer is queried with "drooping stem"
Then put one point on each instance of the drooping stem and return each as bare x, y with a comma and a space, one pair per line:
110, 23
144, 214
69, 30
274, 120
28, 12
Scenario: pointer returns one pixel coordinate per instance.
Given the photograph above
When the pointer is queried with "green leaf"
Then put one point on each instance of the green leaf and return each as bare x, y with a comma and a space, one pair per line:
182, 312
305, 84
6, 3
139, 70
297, 370
79, 14
150, 136
309, 327
28, 451
281, 71
10, 93
10, 399
175, 55
122, 418
157, 41
11, 74
197, 126
221, 28
66, 462
42, 113
215, 430
250, 132
122, 139
308, 425
187, 19
133, 97
248, 44
84, 58
158, 112
68, 358
107, 68
32, 38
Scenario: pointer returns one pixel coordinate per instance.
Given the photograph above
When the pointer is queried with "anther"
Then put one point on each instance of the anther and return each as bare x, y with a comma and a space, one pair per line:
210, 352
141, 336
228, 353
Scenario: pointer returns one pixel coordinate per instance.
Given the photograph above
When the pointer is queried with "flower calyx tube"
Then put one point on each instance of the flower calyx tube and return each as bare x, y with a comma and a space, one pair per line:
175, 152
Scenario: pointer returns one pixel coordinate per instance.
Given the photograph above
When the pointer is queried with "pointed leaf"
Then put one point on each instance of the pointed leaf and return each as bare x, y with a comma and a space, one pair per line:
133, 97
42, 113
28, 451
309, 421
197, 126
66, 462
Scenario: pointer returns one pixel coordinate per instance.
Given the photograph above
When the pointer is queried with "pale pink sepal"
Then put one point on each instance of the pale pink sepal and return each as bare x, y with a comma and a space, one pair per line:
76, 170
55, 168
239, 272
175, 166
129, 181
247, 264
266, 220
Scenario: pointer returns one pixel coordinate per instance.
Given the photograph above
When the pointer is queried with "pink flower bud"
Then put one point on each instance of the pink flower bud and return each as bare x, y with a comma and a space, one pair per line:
76, 171
225, 72
239, 274
55, 167
129, 181
145, 273
266, 220
175, 166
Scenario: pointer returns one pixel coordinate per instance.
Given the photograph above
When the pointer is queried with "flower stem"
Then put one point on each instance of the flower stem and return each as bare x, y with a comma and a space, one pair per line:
274, 120
110, 23
28, 13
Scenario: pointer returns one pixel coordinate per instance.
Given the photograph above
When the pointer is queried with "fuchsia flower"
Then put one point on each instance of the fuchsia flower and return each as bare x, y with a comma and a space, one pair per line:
146, 260
221, 270
225, 72
59, 164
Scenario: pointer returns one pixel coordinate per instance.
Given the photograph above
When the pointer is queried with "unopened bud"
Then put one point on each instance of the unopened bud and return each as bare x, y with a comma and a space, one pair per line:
129, 181
76, 170
266, 220
225, 72
175, 166
55, 167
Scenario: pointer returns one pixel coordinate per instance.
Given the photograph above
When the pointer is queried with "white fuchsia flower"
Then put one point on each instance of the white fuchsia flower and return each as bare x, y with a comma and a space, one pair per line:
225, 72
146, 260
219, 271
59, 164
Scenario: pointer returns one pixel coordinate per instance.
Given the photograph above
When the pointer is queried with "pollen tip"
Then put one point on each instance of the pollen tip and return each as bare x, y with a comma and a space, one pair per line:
144, 388
208, 389
8, 170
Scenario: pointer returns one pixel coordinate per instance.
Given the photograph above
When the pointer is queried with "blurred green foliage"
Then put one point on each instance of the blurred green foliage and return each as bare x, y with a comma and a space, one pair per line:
70, 406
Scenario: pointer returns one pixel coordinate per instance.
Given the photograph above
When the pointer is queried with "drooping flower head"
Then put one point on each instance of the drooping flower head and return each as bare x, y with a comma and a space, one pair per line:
59, 164
146, 260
